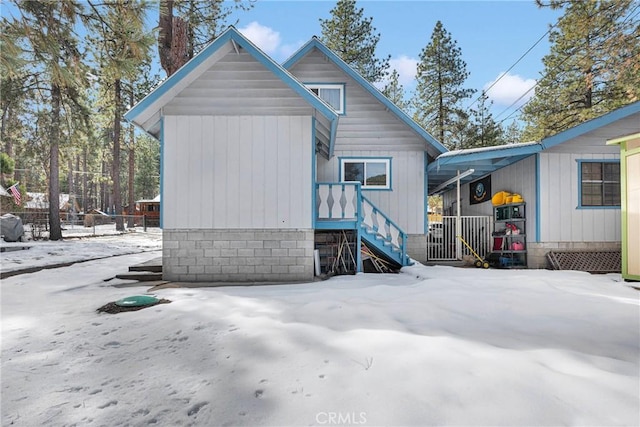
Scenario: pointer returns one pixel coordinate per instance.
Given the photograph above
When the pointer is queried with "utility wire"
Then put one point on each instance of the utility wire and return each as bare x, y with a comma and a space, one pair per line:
484, 92
557, 66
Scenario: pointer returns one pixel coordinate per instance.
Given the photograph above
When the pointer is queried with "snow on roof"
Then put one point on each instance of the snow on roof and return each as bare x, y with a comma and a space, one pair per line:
41, 200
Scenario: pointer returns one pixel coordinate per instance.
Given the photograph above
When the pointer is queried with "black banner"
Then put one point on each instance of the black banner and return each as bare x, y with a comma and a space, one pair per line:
480, 190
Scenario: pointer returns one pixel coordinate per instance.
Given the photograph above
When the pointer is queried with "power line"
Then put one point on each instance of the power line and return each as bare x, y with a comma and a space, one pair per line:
560, 64
513, 65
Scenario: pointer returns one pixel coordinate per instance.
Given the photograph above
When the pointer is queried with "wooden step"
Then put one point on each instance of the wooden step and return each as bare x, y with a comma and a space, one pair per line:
141, 276
153, 266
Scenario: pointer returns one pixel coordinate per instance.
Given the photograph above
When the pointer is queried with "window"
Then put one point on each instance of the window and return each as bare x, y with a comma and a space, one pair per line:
599, 183
332, 94
373, 174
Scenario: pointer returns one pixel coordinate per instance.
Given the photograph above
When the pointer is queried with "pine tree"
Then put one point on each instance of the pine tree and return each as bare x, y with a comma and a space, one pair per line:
487, 132
354, 39
439, 92
124, 45
593, 66
395, 91
512, 134
187, 26
48, 29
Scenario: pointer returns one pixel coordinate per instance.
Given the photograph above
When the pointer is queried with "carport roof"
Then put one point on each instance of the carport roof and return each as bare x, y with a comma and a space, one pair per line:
486, 160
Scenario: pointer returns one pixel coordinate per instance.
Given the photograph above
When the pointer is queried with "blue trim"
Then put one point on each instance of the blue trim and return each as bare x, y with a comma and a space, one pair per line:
591, 125
425, 196
580, 162
538, 229
315, 43
332, 138
474, 155
162, 198
344, 92
366, 158
231, 34
313, 172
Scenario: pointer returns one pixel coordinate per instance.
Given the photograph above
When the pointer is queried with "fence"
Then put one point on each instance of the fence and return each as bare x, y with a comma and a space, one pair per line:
443, 244
36, 224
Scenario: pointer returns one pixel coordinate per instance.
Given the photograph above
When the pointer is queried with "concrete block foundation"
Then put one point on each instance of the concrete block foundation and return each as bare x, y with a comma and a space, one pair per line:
237, 255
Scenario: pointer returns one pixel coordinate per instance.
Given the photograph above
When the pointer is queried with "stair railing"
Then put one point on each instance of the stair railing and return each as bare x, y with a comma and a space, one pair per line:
377, 222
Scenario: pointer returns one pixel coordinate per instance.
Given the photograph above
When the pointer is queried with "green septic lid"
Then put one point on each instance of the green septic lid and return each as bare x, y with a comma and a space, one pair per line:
137, 301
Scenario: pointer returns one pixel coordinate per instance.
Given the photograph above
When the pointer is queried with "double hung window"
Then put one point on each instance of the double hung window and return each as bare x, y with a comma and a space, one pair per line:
599, 183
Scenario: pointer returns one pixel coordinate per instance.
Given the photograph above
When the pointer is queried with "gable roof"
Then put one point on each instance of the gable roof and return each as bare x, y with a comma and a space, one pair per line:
147, 113
314, 43
486, 160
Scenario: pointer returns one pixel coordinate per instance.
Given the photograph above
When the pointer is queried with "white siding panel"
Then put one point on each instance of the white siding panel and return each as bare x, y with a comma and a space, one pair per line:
237, 172
237, 85
245, 169
233, 171
404, 205
271, 176
560, 218
208, 180
283, 199
258, 175
220, 177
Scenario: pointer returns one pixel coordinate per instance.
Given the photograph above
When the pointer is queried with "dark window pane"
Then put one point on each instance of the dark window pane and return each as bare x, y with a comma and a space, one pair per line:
612, 172
591, 194
591, 171
354, 172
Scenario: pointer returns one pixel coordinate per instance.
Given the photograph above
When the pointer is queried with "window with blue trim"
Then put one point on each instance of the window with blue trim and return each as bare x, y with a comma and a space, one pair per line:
599, 183
332, 94
373, 174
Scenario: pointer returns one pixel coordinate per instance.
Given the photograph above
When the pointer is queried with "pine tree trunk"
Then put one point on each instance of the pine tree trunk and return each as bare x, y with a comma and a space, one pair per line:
132, 162
115, 175
85, 202
55, 231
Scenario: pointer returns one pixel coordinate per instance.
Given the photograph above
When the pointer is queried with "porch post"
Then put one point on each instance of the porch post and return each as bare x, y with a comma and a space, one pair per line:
458, 219
358, 229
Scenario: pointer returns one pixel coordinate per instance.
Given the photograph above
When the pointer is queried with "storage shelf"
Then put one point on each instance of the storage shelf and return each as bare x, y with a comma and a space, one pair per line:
513, 213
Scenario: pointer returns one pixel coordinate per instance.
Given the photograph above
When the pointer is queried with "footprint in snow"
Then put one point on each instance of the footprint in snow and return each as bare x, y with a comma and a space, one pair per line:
109, 403
258, 393
196, 408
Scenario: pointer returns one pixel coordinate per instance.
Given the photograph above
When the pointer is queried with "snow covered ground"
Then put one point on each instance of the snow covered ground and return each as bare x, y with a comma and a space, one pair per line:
429, 346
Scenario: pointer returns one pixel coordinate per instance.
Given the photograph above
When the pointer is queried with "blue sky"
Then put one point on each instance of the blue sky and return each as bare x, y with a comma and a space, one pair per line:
491, 34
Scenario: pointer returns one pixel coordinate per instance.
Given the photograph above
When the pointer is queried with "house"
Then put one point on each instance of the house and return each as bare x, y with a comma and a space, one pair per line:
630, 200
269, 156
150, 210
570, 183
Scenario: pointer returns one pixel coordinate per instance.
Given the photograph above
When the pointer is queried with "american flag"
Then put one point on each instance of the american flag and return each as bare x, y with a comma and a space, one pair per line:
15, 193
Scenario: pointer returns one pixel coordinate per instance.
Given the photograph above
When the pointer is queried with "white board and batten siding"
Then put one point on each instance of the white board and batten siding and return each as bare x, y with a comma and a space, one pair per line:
368, 129
404, 205
561, 219
245, 172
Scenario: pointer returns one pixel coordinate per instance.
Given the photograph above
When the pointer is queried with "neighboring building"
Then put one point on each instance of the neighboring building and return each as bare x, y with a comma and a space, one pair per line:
630, 187
39, 202
150, 210
570, 183
264, 156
